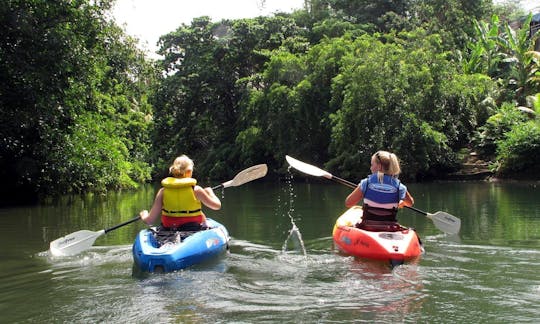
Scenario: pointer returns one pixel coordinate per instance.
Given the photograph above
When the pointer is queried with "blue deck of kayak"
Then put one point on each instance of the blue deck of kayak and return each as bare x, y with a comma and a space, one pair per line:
196, 248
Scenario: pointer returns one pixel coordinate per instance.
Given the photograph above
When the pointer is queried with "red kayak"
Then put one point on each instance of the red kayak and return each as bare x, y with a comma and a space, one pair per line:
395, 243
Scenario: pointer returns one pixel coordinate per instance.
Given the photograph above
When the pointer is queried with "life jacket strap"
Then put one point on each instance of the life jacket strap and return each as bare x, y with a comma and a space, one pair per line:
181, 211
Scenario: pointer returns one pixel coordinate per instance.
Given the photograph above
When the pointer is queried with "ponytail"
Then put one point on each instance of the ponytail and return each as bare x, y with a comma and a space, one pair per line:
389, 164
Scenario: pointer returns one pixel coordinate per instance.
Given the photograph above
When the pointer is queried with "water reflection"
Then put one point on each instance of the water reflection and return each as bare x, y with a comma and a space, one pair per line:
496, 254
497, 213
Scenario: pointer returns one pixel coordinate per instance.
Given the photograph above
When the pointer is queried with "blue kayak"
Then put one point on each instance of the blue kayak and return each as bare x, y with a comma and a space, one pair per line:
153, 252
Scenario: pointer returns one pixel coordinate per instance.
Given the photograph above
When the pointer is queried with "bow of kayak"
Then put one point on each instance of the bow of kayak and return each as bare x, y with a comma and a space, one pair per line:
395, 246
190, 248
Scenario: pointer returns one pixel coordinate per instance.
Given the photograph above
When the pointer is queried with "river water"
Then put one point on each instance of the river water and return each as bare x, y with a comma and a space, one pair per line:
282, 267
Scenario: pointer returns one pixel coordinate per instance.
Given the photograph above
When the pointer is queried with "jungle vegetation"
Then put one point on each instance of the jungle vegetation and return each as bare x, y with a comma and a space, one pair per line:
83, 109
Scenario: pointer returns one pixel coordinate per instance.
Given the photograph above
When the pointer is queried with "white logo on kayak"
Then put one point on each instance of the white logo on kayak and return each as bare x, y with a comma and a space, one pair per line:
212, 242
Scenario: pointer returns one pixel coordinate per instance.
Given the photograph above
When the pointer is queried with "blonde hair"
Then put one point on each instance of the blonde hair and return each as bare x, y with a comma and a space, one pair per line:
389, 164
181, 166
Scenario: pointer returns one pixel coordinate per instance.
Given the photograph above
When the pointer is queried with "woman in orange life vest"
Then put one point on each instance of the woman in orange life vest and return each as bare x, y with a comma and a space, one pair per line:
382, 193
179, 201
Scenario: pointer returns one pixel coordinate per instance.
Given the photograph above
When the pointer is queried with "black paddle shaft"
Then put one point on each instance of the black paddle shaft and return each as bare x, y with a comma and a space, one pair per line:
123, 224
345, 182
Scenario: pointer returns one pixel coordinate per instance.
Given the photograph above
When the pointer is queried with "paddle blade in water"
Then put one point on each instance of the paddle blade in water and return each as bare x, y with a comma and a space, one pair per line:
445, 222
74, 243
307, 168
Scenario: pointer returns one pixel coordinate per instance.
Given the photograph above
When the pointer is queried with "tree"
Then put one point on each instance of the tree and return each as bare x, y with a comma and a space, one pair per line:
371, 12
198, 105
517, 47
403, 95
62, 61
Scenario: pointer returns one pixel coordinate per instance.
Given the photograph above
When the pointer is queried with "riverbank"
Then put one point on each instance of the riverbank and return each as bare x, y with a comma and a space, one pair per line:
472, 168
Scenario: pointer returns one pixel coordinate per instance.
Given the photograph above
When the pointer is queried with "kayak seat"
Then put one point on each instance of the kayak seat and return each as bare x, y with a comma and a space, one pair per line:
192, 226
176, 235
380, 226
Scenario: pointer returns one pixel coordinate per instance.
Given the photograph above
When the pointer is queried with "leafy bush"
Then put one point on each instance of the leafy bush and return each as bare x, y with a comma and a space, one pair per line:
404, 96
519, 151
494, 130
95, 157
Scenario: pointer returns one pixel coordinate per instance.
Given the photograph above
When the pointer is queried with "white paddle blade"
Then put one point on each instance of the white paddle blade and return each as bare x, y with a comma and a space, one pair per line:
307, 168
249, 174
445, 222
74, 243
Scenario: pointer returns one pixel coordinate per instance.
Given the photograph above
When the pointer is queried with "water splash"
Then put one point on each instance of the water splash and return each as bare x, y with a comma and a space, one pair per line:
295, 237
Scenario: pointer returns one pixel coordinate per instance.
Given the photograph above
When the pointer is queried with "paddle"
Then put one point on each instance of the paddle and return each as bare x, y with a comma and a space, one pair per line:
247, 175
442, 220
82, 240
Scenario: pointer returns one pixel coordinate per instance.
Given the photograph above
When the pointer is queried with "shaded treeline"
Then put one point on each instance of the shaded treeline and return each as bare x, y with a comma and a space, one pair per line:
73, 96
82, 109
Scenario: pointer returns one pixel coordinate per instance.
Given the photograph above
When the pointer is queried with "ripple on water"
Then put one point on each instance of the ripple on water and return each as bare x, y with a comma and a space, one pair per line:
285, 285
255, 282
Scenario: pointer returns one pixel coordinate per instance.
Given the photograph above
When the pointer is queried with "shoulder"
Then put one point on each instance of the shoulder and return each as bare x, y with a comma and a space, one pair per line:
399, 184
402, 188
159, 193
363, 184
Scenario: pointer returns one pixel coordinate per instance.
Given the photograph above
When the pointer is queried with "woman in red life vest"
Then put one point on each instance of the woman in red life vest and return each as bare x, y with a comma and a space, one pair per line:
381, 192
180, 199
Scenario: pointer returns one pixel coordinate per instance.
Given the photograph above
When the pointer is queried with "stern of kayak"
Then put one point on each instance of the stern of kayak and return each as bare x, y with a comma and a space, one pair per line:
396, 246
151, 256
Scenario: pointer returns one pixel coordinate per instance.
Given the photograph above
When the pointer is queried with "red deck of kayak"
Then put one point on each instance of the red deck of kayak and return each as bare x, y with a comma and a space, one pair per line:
402, 245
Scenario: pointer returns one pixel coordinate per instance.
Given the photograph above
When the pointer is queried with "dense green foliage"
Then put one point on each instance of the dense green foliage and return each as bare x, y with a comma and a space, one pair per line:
406, 95
83, 109
509, 138
198, 107
514, 140
73, 98
337, 82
